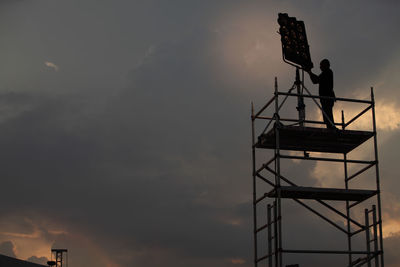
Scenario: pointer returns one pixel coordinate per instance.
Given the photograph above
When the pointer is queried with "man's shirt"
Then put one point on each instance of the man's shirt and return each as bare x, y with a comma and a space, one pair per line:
325, 81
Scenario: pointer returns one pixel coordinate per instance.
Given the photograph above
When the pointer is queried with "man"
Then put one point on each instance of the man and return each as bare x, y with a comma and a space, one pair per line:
325, 81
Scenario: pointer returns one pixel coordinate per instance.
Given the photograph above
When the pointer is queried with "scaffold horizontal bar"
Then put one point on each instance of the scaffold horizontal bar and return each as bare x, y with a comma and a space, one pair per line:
327, 251
295, 120
327, 97
328, 159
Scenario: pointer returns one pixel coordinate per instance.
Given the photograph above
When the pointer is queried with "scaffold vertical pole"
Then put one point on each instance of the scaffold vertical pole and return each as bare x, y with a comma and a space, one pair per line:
347, 202
367, 237
378, 188
275, 234
277, 177
254, 186
269, 221
375, 236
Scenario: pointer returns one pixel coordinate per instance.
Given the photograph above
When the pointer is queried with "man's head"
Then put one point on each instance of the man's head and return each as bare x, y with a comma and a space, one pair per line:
324, 64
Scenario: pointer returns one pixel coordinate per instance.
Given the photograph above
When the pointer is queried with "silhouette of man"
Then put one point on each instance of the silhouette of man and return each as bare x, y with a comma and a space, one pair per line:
325, 81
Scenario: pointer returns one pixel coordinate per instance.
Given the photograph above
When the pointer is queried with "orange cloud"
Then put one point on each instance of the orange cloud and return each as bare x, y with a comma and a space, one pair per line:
237, 261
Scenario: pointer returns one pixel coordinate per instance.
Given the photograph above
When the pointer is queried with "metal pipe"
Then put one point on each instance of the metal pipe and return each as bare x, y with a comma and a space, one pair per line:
254, 186
358, 231
260, 169
326, 251
375, 235
328, 97
367, 236
377, 176
265, 257
269, 234
300, 100
360, 171
265, 165
355, 203
261, 198
327, 159
265, 226
358, 115
347, 202
284, 100
294, 120
320, 215
270, 161
264, 179
281, 176
277, 178
275, 235
266, 127
265, 106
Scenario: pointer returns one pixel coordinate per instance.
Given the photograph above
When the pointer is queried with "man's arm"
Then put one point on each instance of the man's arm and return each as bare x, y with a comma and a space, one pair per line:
314, 78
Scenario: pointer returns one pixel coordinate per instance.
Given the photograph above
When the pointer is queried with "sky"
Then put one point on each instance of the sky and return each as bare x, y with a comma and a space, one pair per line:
125, 125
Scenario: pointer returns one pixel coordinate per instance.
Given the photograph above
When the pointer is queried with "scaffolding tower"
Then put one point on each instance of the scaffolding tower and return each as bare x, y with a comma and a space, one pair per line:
305, 136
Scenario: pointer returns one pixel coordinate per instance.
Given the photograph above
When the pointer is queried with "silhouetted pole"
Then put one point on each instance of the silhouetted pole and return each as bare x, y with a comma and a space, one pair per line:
254, 184
378, 187
300, 100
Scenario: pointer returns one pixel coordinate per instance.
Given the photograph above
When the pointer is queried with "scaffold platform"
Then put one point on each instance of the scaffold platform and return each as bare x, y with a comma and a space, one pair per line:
313, 139
301, 192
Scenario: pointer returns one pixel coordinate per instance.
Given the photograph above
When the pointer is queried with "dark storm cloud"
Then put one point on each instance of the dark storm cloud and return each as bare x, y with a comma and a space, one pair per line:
139, 142
128, 164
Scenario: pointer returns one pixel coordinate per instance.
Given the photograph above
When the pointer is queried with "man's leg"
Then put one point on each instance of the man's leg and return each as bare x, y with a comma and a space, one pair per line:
327, 106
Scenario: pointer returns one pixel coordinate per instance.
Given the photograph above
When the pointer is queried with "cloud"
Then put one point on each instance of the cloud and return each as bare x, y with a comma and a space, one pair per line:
386, 111
391, 245
145, 159
119, 151
51, 65
7, 248
38, 260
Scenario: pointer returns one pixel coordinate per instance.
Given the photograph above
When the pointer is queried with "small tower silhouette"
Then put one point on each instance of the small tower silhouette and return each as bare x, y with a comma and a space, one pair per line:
60, 256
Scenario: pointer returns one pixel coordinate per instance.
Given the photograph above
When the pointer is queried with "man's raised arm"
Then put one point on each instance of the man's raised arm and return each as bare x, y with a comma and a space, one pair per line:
314, 78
